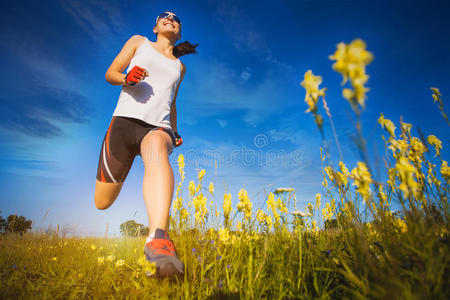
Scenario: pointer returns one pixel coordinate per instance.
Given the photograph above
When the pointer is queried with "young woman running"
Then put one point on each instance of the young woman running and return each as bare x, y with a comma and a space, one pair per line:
144, 123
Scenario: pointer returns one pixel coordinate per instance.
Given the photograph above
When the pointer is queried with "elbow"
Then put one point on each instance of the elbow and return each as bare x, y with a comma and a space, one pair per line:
107, 76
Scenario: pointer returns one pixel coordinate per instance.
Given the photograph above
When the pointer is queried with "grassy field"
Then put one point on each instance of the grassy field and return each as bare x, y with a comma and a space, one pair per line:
347, 244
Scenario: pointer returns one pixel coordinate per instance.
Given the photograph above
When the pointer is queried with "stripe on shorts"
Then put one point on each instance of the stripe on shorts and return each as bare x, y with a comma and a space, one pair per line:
106, 164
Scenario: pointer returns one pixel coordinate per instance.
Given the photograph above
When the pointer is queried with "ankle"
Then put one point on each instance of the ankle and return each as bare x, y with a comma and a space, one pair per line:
150, 237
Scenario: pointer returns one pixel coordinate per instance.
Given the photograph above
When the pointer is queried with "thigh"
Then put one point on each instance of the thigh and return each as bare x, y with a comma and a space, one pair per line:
117, 153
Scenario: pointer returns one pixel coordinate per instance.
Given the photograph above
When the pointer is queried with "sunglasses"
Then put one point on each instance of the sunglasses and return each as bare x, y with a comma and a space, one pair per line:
165, 15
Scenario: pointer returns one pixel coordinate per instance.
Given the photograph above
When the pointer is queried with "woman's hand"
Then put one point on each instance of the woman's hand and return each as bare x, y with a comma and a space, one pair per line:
178, 139
136, 75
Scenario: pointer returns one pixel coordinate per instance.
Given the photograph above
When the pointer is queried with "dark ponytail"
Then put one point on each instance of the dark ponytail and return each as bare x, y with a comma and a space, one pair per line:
184, 48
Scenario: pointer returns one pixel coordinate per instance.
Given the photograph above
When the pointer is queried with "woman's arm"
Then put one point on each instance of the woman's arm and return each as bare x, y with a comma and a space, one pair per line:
114, 73
173, 108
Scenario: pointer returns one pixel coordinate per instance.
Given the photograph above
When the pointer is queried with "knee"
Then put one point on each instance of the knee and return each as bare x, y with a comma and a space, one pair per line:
104, 200
154, 147
106, 193
102, 203
156, 142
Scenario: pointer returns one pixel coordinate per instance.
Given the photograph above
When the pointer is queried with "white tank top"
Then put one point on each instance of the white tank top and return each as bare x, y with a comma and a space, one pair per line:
150, 99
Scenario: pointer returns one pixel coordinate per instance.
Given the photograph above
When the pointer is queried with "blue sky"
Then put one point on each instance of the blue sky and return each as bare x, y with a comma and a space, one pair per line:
240, 99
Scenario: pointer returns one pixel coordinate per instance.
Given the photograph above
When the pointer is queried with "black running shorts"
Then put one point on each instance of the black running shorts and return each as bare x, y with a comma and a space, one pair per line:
121, 144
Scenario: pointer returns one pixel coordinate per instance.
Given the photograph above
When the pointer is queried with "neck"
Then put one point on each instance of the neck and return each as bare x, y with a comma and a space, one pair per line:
165, 44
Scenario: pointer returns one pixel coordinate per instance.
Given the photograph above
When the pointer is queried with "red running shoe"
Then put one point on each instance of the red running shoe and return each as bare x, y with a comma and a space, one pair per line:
161, 251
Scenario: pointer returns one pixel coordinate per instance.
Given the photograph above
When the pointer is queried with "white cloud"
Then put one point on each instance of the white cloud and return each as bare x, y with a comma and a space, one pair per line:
53, 90
215, 88
245, 75
222, 123
293, 128
244, 34
101, 20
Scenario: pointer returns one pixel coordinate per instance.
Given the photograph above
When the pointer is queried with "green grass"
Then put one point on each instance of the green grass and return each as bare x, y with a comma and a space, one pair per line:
328, 264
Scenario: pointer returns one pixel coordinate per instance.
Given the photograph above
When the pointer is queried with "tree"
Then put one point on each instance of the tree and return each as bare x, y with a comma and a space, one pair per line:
14, 223
131, 228
2, 224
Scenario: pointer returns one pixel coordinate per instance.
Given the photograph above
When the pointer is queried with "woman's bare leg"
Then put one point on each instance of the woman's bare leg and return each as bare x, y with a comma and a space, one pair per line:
106, 193
158, 183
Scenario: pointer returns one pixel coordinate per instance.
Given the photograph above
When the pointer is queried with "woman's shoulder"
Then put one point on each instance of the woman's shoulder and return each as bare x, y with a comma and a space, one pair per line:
136, 39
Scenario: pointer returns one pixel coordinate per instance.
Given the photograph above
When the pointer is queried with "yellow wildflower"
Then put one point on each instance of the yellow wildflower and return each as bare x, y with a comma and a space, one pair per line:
272, 206
351, 61
406, 129
269, 221
181, 165
93, 247
400, 146
224, 235
401, 225
387, 125
183, 214
434, 141
200, 207
343, 176
329, 172
406, 173
311, 84
149, 267
318, 197
178, 202
101, 260
344, 169
211, 188
141, 260
226, 207
327, 212
201, 174
281, 206
314, 227
445, 171
383, 197
119, 263
260, 216
362, 180
310, 208
244, 205
110, 258
347, 210
191, 188
417, 146
437, 98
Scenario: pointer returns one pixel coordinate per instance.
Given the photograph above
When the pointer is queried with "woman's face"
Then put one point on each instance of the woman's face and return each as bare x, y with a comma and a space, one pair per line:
168, 27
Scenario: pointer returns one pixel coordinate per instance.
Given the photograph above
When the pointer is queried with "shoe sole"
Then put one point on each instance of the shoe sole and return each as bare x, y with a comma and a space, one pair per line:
165, 267
166, 270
